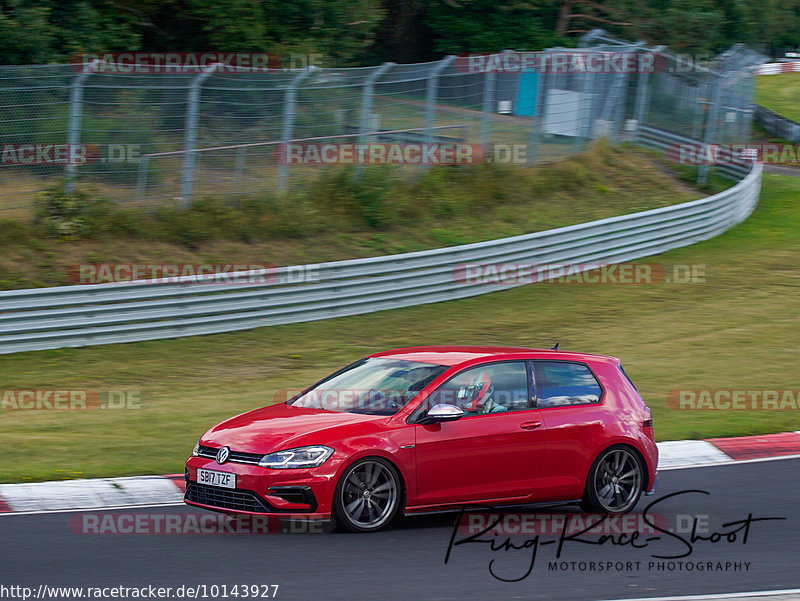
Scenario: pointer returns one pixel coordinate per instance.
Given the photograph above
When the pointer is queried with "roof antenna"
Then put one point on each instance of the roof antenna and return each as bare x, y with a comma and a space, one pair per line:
554, 348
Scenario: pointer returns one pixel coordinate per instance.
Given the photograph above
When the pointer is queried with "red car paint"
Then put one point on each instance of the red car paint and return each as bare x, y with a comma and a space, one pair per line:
527, 456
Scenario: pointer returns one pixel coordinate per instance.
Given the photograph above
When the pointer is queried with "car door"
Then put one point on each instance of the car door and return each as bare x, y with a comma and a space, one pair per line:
569, 397
494, 451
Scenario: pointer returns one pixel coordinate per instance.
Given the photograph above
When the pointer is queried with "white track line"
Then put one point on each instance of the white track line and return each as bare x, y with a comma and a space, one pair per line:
90, 493
181, 504
793, 593
729, 462
675, 453
92, 509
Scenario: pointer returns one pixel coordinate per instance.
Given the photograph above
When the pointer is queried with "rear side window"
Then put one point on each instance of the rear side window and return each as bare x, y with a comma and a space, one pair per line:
627, 377
559, 383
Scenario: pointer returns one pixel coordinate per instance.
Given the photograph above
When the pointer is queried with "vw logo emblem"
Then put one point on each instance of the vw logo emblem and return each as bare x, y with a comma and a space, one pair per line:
222, 455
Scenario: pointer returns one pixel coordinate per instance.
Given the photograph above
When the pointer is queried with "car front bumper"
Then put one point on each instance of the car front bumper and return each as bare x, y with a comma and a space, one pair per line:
290, 494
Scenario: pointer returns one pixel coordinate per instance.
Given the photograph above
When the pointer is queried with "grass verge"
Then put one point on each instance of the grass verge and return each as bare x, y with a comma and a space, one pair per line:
339, 216
779, 94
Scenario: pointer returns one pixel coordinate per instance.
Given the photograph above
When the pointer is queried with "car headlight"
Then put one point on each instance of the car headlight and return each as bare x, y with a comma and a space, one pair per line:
297, 458
196, 449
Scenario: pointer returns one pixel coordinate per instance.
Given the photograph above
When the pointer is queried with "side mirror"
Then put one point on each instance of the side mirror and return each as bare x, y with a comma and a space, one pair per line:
442, 413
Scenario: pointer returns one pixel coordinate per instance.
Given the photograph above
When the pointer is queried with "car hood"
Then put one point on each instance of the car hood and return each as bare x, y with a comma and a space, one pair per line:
283, 426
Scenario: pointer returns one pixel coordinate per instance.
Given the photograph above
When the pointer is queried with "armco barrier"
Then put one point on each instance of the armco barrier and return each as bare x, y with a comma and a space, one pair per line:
776, 68
777, 125
773, 122
75, 316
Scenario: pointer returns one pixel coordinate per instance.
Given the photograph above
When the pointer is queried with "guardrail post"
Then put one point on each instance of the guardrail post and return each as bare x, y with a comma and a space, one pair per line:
74, 128
431, 90
189, 159
289, 106
488, 109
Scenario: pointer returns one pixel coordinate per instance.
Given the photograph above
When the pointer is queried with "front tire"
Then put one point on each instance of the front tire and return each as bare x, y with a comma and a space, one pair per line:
615, 481
368, 496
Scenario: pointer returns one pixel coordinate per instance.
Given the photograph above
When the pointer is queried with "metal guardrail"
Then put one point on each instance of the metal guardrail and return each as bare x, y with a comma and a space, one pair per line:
75, 316
777, 125
664, 140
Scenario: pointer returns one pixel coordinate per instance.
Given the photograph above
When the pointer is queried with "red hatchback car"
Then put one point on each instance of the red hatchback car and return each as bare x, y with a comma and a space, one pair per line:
426, 429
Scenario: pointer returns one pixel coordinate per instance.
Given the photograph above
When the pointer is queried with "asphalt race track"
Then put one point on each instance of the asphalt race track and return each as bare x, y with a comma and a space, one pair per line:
407, 562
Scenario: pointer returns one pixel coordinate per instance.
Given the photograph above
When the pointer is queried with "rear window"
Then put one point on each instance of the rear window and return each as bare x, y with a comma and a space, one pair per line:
559, 383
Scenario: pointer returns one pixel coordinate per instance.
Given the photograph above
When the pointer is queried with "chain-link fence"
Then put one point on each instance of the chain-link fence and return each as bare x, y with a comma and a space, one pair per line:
155, 136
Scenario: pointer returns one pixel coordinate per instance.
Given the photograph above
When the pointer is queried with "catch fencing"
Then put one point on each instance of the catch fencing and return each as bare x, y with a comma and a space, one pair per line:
161, 138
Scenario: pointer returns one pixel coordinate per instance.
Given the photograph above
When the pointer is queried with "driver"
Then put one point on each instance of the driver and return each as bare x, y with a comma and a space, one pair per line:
477, 397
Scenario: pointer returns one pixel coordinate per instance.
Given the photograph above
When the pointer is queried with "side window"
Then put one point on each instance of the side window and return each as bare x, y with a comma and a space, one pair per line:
491, 388
560, 383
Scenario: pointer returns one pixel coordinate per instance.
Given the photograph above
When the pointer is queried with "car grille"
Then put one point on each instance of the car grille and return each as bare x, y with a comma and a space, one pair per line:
225, 498
234, 457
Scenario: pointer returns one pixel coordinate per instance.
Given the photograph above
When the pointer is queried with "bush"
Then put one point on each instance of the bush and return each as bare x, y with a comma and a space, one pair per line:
340, 199
63, 215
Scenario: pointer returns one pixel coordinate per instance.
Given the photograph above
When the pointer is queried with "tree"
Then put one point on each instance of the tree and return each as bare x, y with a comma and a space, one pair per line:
488, 26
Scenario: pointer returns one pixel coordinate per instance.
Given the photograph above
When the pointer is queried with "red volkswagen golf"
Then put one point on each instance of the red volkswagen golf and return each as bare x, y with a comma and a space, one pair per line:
427, 429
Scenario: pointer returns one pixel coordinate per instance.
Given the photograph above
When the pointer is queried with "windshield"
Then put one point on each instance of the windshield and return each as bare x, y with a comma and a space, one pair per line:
374, 386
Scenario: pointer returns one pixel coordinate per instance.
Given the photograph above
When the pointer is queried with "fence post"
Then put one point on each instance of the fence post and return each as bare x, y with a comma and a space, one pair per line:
289, 105
431, 90
710, 133
537, 123
584, 112
366, 104
619, 106
366, 99
488, 109
187, 177
74, 128
641, 96
141, 177
697, 109
747, 108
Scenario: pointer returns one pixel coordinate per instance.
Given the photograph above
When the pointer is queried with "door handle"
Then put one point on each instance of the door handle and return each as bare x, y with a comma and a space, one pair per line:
530, 425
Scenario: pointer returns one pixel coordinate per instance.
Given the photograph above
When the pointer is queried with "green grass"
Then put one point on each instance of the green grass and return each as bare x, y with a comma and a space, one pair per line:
339, 216
780, 94
736, 330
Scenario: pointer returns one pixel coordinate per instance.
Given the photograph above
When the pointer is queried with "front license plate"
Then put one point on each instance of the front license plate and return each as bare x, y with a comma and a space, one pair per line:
212, 478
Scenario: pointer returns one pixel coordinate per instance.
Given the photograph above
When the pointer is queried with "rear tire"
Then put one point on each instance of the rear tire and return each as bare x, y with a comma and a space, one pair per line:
368, 496
615, 481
